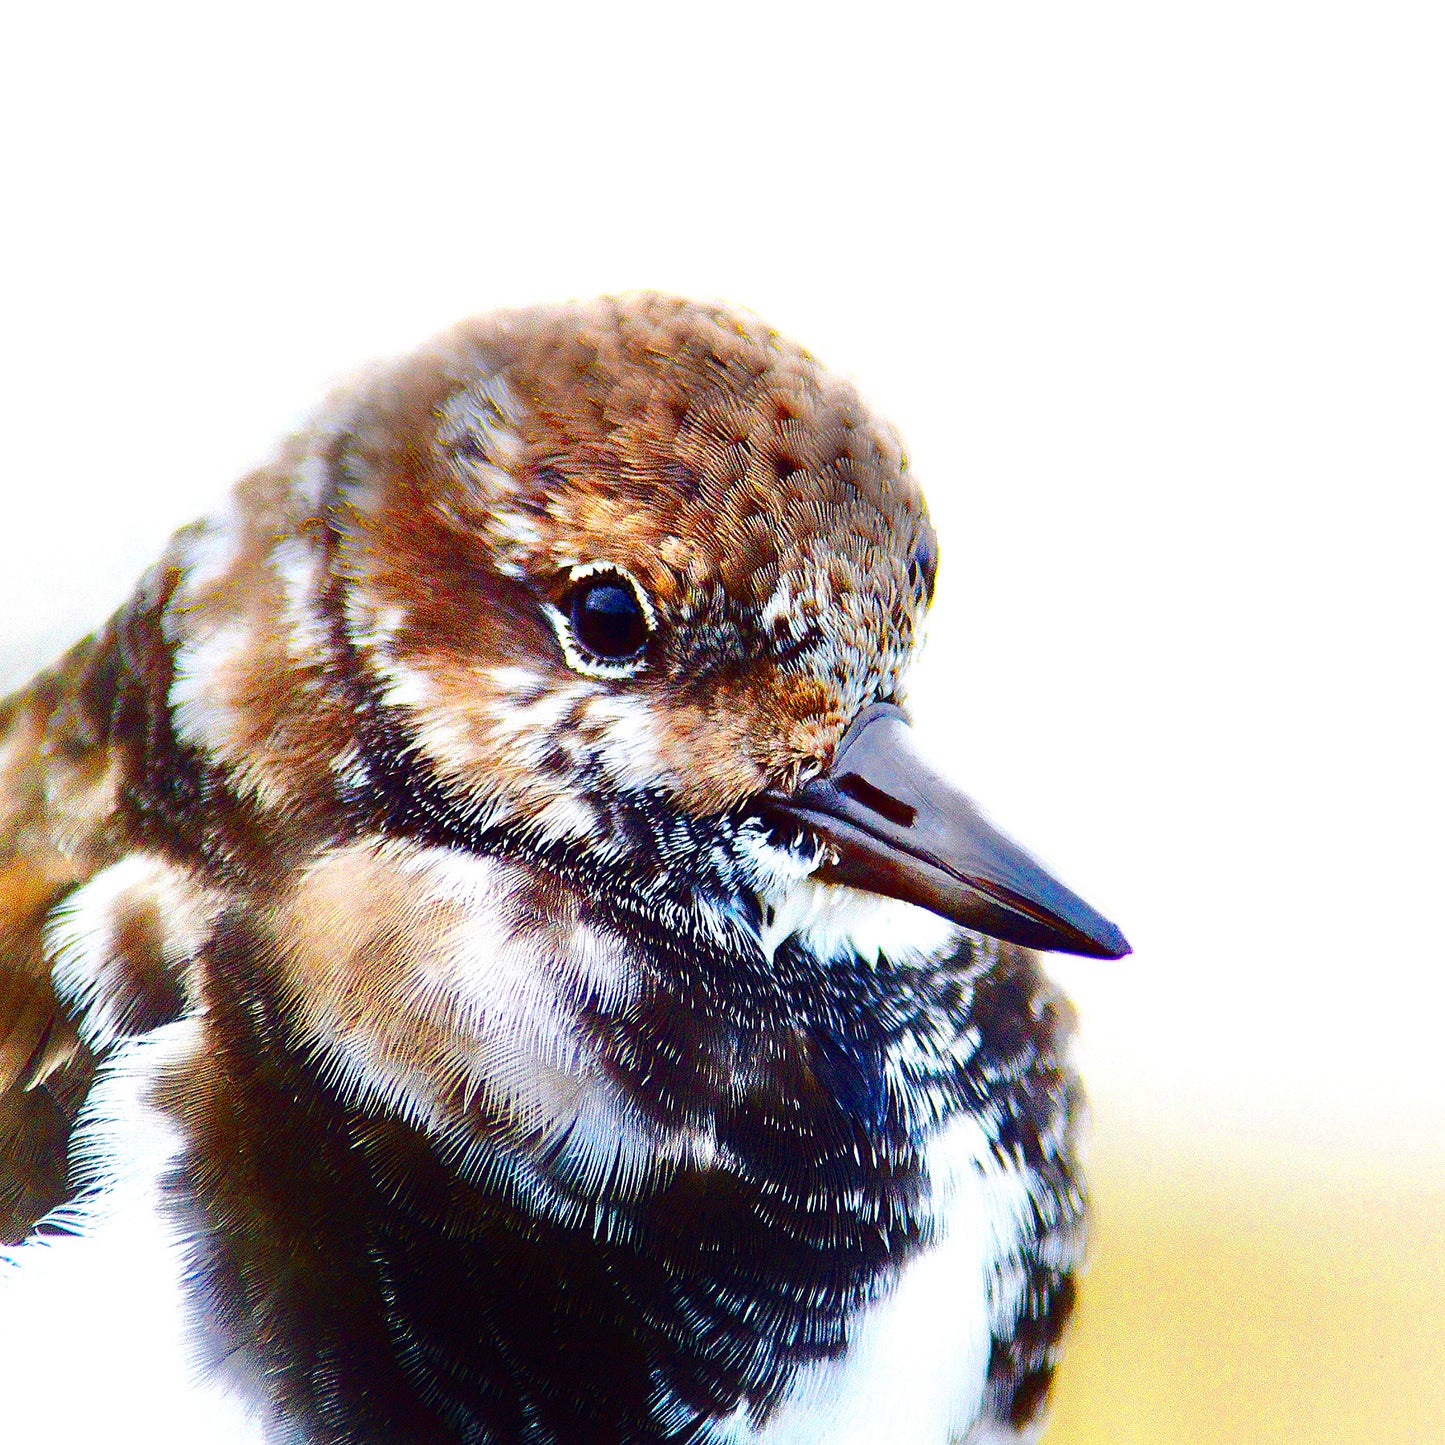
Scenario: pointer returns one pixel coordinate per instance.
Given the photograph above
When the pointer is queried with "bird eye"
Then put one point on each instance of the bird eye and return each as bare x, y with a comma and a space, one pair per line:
607, 619
603, 622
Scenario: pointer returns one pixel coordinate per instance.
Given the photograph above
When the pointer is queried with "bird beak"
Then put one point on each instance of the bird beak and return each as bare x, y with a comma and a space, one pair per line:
895, 826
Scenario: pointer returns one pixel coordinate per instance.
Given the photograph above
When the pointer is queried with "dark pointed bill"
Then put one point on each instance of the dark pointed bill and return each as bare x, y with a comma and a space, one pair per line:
898, 828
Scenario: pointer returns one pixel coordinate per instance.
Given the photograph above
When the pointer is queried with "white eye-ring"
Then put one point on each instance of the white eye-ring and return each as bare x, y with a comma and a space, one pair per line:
604, 621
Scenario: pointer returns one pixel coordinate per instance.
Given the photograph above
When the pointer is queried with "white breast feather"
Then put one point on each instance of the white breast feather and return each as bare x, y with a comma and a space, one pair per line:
917, 1359
92, 1320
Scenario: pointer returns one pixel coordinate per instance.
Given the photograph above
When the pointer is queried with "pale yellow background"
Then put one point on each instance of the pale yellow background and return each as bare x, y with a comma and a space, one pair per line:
1155, 291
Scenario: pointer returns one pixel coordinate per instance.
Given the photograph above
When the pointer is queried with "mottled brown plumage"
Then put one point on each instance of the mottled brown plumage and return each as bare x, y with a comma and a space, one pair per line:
688, 425
470, 943
56, 792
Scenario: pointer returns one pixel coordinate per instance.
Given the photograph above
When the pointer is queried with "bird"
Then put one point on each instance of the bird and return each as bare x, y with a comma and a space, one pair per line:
483, 957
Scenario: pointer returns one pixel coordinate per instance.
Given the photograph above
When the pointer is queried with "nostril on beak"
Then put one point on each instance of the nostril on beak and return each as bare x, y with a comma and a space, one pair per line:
862, 791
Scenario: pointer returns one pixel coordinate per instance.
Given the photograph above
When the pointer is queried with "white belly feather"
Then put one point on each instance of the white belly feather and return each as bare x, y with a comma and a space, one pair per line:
93, 1331
917, 1359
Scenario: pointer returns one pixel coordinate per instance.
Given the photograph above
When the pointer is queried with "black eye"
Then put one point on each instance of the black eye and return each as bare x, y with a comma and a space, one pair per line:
607, 618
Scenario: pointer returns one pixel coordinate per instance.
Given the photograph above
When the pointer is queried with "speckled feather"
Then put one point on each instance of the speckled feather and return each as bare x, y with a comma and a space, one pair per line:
531, 1090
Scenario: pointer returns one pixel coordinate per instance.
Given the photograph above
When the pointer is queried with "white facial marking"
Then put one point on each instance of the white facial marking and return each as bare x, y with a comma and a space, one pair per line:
522, 683
299, 566
518, 528
200, 700
405, 686
629, 732
833, 921
536, 719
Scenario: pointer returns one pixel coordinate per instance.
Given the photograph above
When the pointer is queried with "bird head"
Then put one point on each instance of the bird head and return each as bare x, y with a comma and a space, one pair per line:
643, 570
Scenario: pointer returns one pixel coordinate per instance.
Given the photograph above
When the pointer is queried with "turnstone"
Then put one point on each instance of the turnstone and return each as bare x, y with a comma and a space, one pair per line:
498, 965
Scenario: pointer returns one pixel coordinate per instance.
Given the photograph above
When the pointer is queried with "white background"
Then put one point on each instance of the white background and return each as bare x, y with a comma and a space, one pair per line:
1155, 291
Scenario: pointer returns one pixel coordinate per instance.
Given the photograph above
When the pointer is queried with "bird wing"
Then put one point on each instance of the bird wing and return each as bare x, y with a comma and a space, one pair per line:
57, 829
